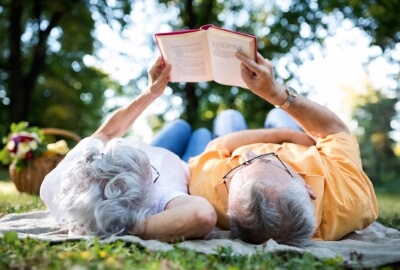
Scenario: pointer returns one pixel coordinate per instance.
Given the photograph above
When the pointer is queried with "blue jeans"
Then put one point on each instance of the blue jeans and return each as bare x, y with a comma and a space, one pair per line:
178, 137
278, 118
229, 121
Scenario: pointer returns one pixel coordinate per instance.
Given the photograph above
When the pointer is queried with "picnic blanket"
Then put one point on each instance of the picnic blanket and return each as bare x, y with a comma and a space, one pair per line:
374, 246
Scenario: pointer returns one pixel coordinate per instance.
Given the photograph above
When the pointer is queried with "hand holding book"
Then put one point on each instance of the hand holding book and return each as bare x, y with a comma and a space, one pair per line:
206, 54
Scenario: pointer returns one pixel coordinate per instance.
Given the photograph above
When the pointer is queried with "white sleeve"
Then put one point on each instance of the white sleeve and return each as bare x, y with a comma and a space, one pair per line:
173, 181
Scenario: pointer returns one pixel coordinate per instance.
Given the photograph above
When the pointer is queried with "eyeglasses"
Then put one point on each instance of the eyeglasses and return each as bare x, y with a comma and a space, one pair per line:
251, 161
157, 173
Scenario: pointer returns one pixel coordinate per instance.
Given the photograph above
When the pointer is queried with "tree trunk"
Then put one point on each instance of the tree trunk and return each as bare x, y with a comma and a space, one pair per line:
22, 85
192, 103
19, 101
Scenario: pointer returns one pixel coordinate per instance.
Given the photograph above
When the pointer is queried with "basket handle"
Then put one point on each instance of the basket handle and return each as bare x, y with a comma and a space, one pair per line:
61, 132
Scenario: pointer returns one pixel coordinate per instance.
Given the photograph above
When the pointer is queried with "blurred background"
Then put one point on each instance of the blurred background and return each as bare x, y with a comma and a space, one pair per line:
69, 63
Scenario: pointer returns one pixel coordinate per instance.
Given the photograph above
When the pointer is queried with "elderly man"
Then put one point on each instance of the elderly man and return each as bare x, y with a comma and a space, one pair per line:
282, 183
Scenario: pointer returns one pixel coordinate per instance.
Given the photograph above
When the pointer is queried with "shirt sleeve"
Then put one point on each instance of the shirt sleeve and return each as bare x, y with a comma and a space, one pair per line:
172, 186
173, 179
348, 200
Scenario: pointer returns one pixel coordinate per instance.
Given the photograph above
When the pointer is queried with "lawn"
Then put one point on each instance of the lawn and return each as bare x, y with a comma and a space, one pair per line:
34, 254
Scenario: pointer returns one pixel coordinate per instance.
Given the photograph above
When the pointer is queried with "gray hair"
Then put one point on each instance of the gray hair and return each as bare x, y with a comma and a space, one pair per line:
108, 193
260, 212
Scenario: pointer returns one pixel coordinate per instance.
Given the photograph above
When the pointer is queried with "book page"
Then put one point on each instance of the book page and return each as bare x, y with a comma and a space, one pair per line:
188, 54
222, 46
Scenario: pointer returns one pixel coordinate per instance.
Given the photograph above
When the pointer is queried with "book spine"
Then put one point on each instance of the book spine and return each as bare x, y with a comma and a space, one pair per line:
177, 32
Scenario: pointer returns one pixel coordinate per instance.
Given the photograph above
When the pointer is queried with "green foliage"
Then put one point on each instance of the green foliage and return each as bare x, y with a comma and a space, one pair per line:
376, 18
43, 76
285, 30
374, 113
73, 103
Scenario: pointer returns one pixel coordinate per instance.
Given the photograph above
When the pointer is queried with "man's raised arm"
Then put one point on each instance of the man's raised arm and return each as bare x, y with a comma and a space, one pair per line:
315, 119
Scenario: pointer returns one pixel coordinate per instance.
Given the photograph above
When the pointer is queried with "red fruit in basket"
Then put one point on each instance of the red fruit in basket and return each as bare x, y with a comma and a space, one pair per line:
29, 155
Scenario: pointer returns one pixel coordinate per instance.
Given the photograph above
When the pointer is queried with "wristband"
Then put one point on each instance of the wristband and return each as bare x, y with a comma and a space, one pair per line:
292, 94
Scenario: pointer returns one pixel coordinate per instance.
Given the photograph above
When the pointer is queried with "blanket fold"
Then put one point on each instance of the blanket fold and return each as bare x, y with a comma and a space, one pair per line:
374, 246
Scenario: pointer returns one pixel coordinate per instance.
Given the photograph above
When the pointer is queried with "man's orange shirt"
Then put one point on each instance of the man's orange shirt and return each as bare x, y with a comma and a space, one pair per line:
345, 201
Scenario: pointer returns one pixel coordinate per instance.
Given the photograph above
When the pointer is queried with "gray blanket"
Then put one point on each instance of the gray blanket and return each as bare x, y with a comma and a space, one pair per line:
374, 246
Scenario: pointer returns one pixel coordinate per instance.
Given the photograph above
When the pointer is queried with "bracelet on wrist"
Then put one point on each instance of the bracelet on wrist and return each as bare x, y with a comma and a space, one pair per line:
292, 94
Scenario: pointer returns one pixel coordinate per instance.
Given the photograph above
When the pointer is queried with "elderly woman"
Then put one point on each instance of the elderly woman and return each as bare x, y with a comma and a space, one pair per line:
108, 185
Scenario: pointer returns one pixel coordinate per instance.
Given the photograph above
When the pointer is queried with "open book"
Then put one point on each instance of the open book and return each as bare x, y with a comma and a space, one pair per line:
206, 54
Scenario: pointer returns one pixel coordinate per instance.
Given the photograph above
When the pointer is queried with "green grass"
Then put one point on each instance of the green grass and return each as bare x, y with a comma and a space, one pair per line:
389, 208
35, 254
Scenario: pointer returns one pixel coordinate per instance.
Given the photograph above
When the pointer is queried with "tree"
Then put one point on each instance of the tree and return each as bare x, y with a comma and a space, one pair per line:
44, 44
377, 18
42, 62
285, 30
374, 113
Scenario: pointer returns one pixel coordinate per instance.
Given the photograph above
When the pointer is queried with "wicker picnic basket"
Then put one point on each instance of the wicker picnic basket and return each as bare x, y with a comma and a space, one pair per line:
29, 179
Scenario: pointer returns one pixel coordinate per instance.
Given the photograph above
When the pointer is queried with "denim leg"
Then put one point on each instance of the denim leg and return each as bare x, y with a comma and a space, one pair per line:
174, 137
278, 118
197, 143
228, 121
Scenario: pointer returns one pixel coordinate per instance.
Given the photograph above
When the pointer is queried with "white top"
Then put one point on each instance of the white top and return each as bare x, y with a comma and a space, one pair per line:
173, 180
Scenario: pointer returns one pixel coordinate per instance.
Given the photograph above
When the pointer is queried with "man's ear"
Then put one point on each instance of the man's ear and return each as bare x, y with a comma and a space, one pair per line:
311, 192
